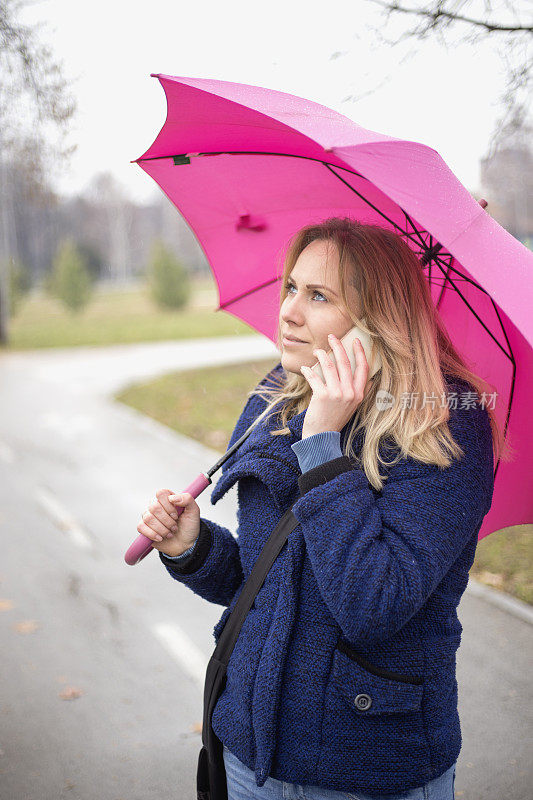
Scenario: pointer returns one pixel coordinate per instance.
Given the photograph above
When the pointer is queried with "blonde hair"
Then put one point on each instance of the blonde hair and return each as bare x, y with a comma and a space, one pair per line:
410, 338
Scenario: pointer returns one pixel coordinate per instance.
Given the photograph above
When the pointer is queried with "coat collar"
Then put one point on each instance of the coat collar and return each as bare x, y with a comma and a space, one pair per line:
268, 458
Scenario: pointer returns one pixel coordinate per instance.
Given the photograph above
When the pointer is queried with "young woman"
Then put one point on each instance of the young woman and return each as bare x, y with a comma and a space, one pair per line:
342, 683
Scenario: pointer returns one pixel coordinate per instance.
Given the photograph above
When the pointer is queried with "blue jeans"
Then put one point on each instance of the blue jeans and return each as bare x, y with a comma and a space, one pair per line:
242, 786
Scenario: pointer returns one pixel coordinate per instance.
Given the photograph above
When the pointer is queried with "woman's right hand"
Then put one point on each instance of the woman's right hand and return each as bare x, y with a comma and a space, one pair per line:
172, 525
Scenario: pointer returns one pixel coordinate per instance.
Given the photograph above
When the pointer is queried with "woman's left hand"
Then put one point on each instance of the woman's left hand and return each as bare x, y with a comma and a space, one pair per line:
334, 402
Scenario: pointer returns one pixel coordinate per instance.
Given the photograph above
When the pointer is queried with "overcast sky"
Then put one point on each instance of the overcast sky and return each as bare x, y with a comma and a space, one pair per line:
448, 99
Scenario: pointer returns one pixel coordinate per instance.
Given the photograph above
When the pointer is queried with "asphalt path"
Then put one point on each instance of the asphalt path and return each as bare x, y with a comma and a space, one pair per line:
101, 690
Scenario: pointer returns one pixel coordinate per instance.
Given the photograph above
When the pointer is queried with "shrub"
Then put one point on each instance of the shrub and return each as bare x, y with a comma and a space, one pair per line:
168, 279
71, 281
19, 285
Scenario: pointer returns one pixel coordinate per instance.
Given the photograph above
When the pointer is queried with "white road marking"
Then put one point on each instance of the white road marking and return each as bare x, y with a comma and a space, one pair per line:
6, 453
62, 518
183, 650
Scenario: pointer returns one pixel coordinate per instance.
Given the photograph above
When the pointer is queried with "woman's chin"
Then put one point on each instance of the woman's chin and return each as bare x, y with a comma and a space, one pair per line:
291, 363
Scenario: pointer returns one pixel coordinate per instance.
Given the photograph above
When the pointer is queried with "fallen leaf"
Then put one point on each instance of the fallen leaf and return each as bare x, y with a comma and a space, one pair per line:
27, 626
70, 693
5, 605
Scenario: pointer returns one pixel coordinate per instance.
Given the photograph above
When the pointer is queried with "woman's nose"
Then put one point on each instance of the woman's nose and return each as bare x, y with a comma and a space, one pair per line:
291, 310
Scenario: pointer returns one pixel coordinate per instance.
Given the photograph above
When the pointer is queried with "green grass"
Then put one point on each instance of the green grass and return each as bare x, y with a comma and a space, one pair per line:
119, 317
504, 560
205, 404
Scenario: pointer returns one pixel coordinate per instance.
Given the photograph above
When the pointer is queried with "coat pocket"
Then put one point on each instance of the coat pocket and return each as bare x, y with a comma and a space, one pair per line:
370, 689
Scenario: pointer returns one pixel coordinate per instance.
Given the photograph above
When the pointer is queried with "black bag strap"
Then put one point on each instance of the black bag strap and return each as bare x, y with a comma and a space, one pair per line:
255, 580
211, 774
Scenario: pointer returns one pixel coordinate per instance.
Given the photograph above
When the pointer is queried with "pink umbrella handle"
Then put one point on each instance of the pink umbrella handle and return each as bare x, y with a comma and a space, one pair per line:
142, 544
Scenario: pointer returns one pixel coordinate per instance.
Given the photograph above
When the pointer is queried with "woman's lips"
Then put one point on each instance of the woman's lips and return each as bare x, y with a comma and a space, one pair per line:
287, 342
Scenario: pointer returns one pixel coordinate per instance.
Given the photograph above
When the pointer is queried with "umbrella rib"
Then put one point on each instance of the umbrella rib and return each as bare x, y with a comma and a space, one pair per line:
463, 276
435, 281
443, 287
430, 254
509, 355
511, 393
438, 262
465, 301
365, 200
248, 292
248, 153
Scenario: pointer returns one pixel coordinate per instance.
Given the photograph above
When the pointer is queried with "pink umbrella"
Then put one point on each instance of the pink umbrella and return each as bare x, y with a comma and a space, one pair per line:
247, 166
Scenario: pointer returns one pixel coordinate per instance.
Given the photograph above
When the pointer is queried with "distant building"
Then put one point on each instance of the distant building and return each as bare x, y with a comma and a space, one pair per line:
507, 184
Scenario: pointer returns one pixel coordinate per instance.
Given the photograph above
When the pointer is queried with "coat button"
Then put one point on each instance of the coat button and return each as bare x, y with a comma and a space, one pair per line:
363, 701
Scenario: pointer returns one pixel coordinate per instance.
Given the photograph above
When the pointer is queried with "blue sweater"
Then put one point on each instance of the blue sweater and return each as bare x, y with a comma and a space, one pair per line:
343, 675
311, 451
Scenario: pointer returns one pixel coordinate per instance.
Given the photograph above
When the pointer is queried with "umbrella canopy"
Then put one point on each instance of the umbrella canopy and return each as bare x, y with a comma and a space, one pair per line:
247, 167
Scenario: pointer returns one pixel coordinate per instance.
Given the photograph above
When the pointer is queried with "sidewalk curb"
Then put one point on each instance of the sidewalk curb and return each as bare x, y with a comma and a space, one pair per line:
504, 601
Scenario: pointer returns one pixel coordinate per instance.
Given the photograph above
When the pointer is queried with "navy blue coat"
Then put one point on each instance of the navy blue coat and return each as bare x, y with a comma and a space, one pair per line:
344, 673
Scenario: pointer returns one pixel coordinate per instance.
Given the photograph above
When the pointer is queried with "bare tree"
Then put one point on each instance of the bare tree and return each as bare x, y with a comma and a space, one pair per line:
439, 14
116, 219
507, 164
34, 106
508, 24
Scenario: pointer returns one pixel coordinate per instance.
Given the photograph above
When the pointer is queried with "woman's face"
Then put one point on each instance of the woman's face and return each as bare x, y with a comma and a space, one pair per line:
309, 314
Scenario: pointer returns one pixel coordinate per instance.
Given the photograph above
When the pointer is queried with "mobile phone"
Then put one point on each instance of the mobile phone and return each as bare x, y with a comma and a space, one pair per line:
374, 361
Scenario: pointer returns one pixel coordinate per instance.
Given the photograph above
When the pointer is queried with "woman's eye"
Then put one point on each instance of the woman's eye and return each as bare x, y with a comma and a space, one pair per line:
290, 285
